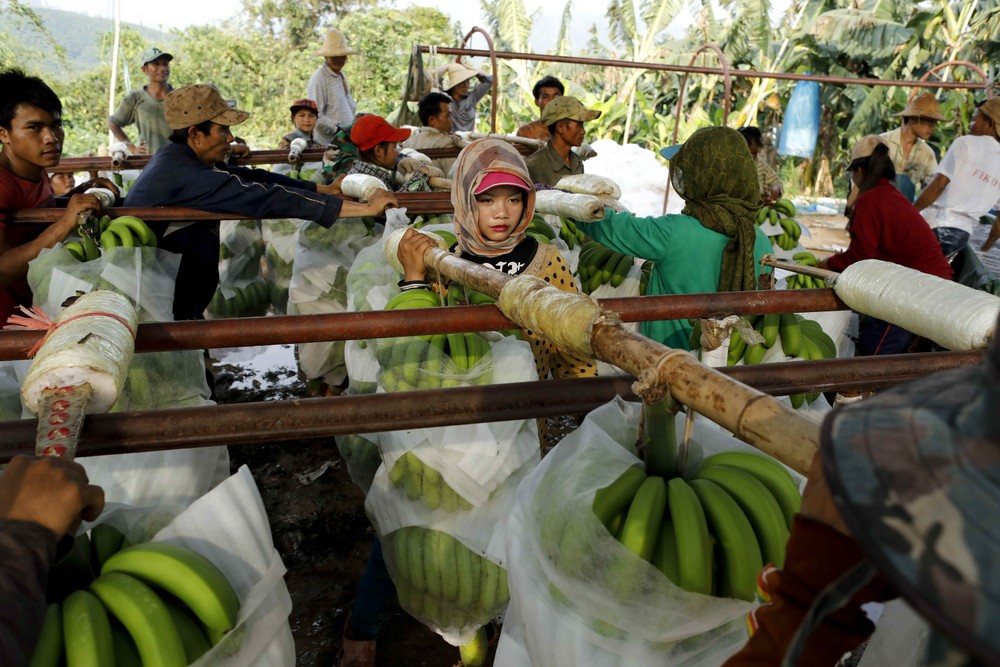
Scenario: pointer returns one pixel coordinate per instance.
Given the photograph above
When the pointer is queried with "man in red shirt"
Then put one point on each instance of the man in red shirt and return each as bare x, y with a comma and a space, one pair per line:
32, 136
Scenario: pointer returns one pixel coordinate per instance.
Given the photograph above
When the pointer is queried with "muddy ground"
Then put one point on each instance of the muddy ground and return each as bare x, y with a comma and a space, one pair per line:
319, 524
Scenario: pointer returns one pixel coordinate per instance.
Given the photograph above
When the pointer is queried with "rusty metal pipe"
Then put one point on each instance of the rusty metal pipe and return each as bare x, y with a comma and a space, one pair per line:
752, 74
416, 203
250, 423
205, 334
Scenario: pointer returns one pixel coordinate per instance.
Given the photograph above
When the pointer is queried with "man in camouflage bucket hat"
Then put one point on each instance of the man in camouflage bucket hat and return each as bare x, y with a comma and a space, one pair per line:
913, 476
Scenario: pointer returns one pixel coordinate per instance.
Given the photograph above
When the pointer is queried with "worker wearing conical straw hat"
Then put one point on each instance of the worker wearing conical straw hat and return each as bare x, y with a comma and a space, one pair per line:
328, 87
913, 158
455, 79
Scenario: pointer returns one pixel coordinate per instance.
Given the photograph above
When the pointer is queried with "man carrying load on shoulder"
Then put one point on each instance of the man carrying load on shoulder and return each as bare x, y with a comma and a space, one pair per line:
31, 133
192, 171
564, 116
967, 182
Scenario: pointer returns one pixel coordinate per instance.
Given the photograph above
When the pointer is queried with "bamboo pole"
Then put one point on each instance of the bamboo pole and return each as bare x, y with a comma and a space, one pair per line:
755, 417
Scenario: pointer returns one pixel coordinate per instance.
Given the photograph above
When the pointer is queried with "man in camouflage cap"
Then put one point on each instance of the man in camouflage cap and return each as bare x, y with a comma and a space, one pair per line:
903, 498
564, 116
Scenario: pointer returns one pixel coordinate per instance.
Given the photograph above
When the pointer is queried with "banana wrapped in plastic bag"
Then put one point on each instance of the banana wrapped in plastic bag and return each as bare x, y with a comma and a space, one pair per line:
361, 186
579, 596
587, 208
590, 184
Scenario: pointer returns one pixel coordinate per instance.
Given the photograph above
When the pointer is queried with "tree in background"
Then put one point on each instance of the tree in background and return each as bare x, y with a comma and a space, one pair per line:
298, 23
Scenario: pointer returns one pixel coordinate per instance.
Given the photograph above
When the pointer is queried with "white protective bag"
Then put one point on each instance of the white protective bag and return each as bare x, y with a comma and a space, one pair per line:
578, 596
228, 526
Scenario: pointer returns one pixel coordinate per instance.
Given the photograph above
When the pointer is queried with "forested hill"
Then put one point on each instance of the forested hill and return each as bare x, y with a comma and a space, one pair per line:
86, 40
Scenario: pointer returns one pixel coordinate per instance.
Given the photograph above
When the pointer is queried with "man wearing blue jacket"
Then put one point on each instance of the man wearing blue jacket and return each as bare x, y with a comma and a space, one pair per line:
192, 171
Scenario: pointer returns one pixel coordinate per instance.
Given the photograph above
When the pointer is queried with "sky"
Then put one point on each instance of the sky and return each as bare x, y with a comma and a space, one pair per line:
182, 13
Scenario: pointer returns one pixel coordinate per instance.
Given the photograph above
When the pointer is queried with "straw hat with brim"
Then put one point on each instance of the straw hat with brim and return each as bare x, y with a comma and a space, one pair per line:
567, 108
456, 73
335, 44
915, 473
923, 105
195, 104
991, 109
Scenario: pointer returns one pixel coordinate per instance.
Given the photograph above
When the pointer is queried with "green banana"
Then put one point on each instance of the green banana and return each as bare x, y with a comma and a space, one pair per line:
124, 234
490, 588
445, 548
609, 266
761, 216
105, 539
737, 346
415, 544
542, 227
785, 206
86, 631
413, 298
771, 473
738, 554
768, 328
613, 499
413, 482
433, 570
805, 258
109, 239
797, 400
620, 272
145, 616
90, 249
694, 545
190, 577
645, 515
192, 637
75, 248
456, 350
754, 354
48, 650
467, 567
694, 339
432, 488
772, 216
665, 552
413, 355
791, 334
139, 229
475, 652
759, 506
126, 653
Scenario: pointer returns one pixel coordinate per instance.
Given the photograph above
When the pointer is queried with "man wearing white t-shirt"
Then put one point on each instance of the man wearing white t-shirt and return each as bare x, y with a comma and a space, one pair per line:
967, 182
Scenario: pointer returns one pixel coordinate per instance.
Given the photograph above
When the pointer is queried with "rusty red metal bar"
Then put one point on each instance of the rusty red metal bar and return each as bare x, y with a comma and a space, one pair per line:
197, 335
416, 203
753, 74
251, 423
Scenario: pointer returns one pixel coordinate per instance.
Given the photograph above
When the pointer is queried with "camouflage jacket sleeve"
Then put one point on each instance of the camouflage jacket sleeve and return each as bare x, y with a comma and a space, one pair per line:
815, 557
26, 552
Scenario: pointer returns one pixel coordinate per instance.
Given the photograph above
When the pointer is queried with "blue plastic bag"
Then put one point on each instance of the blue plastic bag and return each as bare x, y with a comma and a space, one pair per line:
801, 127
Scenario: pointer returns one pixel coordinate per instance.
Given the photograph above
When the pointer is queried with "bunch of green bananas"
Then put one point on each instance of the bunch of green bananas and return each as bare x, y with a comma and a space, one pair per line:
710, 533
152, 604
799, 281
571, 234
782, 213
443, 219
440, 579
421, 362
540, 230
126, 232
421, 482
249, 301
800, 337
600, 265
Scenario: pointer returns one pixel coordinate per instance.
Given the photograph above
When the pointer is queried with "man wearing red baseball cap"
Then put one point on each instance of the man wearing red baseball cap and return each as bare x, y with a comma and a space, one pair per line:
376, 140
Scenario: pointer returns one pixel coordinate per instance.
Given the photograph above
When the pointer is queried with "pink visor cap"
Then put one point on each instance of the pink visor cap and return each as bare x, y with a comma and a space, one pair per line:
495, 178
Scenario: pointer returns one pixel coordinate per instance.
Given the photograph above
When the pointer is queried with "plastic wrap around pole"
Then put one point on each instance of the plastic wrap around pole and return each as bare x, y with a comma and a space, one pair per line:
952, 315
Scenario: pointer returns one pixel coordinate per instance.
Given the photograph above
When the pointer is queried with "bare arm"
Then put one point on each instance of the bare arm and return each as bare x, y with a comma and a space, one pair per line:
14, 260
930, 194
377, 205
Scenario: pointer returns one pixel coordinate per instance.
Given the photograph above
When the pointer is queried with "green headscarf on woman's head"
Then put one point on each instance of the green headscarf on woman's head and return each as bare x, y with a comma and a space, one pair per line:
716, 176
